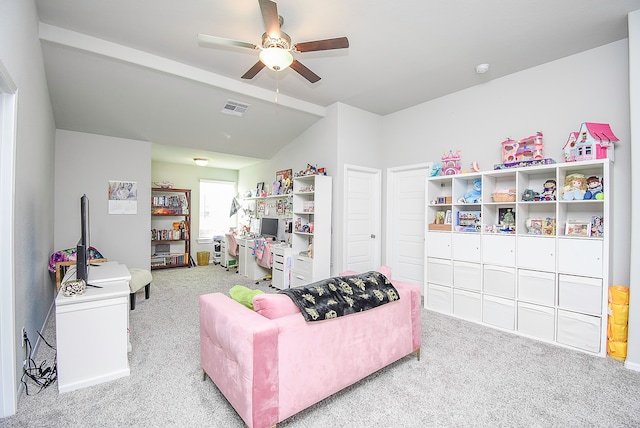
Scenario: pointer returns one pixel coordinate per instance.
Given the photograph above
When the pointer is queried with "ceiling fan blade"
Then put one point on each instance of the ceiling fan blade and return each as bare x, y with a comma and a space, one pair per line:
304, 71
322, 45
221, 41
269, 11
251, 73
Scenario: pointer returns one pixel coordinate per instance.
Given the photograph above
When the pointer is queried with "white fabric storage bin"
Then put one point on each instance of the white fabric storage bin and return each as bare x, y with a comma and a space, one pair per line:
467, 275
498, 312
467, 304
439, 271
500, 281
578, 293
537, 287
579, 330
536, 321
439, 298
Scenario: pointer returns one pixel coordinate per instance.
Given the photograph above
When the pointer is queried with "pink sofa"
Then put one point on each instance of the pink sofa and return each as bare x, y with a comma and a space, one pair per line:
270, 363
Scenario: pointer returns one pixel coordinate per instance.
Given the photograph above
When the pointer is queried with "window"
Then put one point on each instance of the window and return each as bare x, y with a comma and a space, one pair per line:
215, 205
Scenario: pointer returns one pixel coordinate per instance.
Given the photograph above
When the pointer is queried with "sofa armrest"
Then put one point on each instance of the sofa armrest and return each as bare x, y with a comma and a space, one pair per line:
239, 352
416, 309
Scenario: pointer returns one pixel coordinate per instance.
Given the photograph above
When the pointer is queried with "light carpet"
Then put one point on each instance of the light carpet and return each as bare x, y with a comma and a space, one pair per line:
469, 376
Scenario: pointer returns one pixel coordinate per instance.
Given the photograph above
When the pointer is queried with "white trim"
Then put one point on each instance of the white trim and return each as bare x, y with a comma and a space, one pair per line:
8, 364
377, 173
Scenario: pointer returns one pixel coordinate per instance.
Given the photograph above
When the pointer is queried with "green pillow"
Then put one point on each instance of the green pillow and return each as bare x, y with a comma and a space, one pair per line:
244, 295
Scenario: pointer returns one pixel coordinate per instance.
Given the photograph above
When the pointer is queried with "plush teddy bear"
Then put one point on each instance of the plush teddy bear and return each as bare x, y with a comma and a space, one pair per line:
474, 196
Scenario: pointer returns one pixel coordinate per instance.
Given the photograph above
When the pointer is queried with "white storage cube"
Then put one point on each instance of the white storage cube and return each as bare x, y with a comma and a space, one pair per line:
466, 247
498, 312
537, 252
579, 293
439, 271
439, 298
467, 275
579, 330
537, 287
499, 281
536, 321
439, 244
499, 249
467, 304
580, 256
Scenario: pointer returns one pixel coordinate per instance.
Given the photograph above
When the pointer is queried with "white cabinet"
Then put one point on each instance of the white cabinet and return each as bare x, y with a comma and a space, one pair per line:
311, 230
525, 266
281, 271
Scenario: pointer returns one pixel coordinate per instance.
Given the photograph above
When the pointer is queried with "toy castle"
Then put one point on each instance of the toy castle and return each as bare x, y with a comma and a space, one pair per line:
451, 163
593, 141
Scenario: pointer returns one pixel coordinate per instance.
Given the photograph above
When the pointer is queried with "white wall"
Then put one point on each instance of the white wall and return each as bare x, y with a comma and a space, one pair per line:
84, 165
21, 55
188, 177
554, 98
633, 348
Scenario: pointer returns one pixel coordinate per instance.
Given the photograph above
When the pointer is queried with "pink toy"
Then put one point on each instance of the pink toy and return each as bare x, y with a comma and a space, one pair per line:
451, 163
593, 141
527, 149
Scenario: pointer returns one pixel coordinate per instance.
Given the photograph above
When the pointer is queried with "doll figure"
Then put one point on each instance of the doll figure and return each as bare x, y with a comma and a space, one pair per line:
594, 188
575, 186
549, 192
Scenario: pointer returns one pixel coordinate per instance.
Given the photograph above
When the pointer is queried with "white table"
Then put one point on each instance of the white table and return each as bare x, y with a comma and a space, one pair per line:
92, 337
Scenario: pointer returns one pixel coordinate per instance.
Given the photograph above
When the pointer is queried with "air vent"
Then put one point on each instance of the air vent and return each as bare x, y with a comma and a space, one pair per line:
235, 108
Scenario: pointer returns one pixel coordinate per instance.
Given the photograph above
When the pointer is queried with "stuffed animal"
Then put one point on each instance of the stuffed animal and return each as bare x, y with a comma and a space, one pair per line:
474, 196
594, 189
549, 192
575, 186
529, 195
435, 169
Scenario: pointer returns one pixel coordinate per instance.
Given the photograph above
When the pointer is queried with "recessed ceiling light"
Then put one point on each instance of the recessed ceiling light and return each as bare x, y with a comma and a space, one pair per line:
482, 68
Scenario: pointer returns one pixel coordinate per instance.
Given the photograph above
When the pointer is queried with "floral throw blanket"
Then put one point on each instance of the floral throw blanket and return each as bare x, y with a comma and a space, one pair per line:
342, 295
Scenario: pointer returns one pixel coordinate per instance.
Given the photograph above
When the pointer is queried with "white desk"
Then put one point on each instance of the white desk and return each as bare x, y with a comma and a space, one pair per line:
247, 263
92, 337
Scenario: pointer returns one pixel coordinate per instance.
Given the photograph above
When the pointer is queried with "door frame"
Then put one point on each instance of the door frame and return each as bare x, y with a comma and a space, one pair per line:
8, 125
377, 174
390, 220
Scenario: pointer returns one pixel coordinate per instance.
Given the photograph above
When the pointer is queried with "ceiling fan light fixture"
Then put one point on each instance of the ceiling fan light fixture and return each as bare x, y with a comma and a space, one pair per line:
201, 161
275, 58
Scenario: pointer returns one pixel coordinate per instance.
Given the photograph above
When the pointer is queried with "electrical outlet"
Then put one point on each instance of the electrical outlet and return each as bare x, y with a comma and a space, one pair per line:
24, 337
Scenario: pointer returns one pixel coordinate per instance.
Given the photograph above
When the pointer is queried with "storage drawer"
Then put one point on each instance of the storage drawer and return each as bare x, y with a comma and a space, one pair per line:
536, 321
439, 298
302, 265
277, 278
579, 330
467, 275
467, 304
439, 271
298, 279
278, 258
499, 281
498, 312
537, 287
578, 293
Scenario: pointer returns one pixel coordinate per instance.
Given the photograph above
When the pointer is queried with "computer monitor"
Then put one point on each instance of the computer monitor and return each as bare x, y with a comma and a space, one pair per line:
269, 227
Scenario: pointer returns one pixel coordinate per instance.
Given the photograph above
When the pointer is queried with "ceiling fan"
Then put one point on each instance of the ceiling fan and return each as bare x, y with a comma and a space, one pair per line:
276, 48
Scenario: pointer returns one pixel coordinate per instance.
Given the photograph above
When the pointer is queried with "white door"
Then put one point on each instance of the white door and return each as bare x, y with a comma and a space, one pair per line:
362, 218
405, 222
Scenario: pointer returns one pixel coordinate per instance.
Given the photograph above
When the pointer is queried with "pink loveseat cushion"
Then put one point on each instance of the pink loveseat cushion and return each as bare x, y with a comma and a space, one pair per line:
274, 306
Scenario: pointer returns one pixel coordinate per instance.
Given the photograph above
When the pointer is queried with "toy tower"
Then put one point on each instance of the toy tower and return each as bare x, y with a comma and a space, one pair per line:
451, 163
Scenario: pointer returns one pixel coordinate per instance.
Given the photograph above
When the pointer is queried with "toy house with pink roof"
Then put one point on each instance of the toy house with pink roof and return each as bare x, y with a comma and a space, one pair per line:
593, 141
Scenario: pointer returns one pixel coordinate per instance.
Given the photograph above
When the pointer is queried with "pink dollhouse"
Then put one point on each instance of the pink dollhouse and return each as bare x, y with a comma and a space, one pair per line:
593, 141
451, 163
527, 149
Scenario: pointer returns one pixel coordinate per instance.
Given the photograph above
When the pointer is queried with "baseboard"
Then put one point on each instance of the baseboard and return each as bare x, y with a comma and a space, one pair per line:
632, 366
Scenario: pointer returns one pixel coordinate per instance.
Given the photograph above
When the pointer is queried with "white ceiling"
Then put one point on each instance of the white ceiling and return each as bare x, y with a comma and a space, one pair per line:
134, 69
